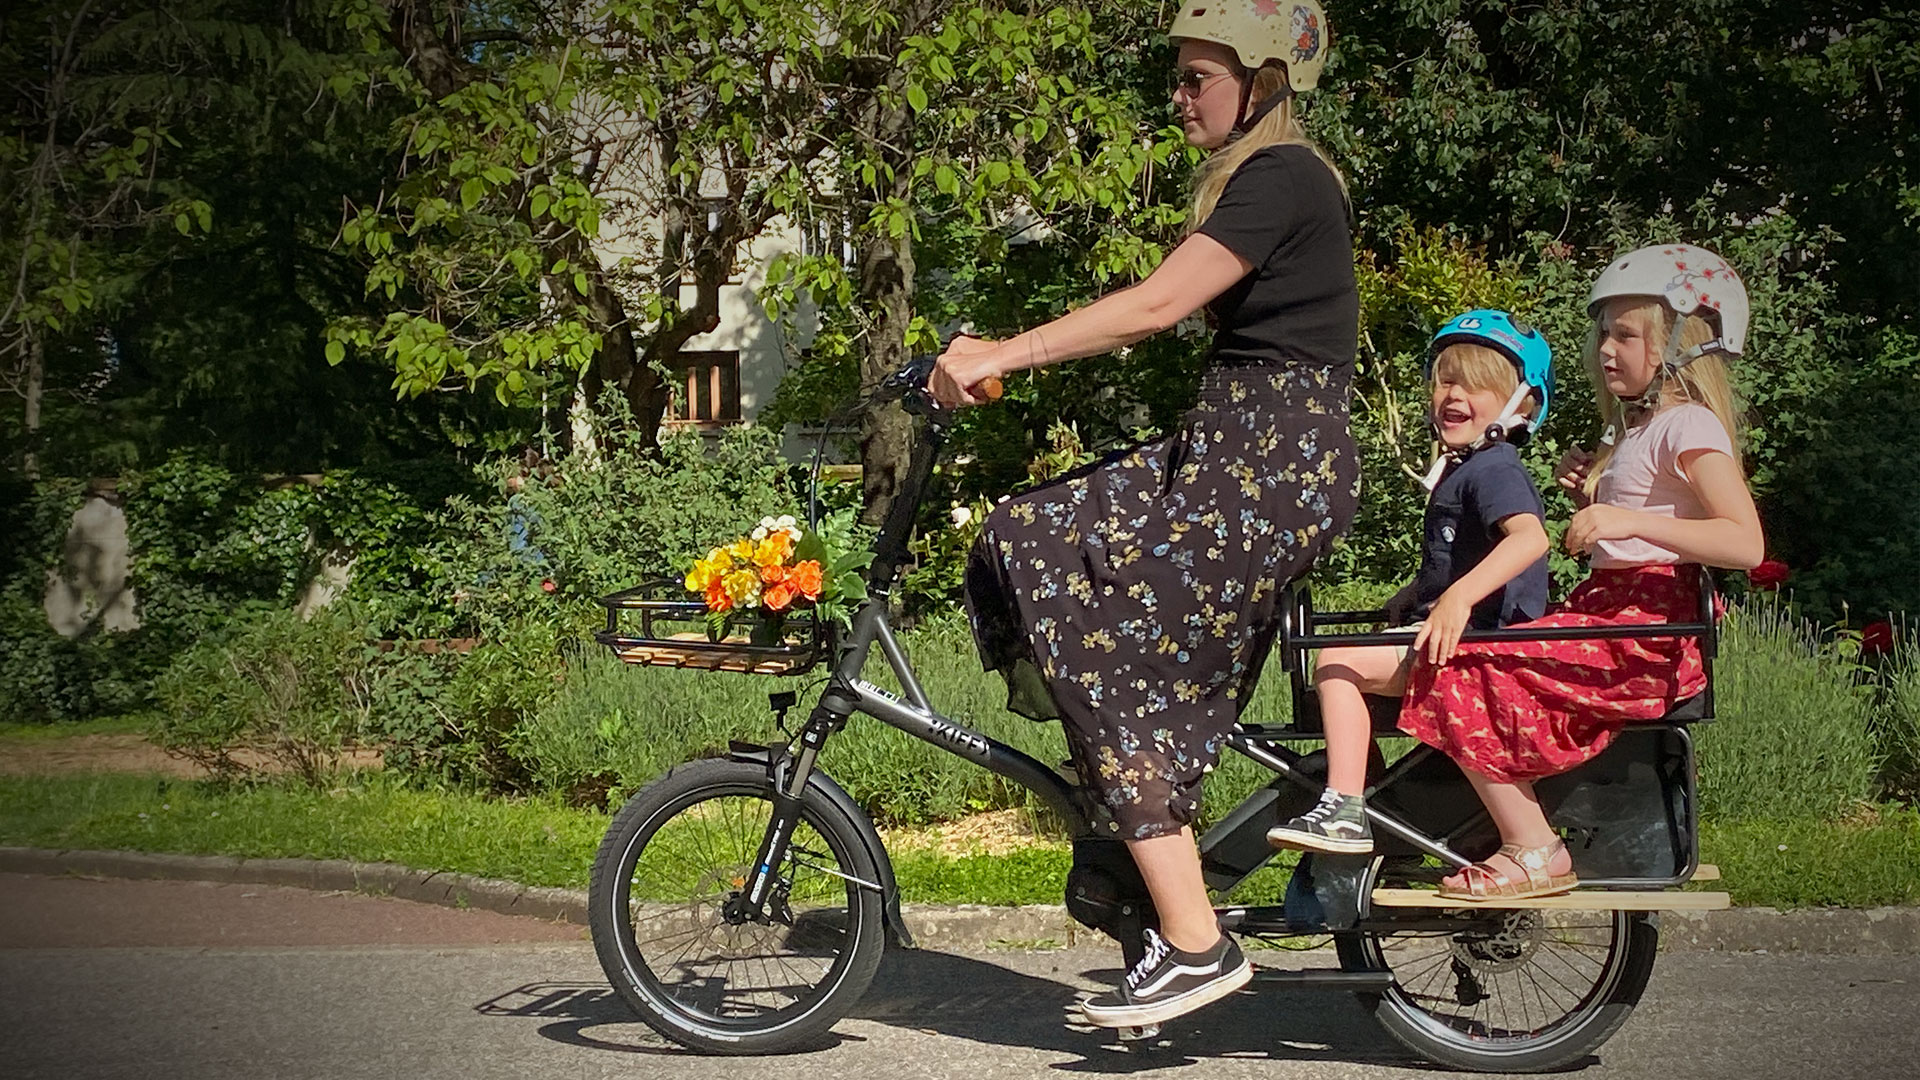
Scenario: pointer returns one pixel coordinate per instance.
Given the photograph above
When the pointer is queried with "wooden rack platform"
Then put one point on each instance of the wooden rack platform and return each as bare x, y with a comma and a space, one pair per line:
1591, 900
732, 654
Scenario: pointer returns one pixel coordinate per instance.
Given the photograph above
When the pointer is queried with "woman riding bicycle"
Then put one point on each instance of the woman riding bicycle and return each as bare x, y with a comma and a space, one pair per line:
1135, 599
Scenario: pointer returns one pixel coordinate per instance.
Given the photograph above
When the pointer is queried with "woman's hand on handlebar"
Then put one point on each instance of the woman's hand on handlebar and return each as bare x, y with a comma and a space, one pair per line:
966, 373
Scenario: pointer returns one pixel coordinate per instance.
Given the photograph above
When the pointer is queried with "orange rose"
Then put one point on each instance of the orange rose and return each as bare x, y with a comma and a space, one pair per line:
805, 579
777, 597
774, 575
717, 598
776, 549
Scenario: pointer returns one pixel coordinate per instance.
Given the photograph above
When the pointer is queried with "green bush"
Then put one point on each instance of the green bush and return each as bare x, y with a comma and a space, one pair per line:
1898, 729
291, 691
600, 519
1794, 739
611, 728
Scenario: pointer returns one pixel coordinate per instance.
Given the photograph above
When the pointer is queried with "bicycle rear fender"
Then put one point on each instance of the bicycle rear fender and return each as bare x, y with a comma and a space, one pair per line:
768, 757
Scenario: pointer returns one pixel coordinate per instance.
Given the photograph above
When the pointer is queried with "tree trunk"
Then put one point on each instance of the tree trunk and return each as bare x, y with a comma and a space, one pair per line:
36, 383
886, 276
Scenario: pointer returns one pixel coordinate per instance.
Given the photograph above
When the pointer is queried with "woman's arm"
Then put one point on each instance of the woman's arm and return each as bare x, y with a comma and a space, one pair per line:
1728, 536
1200, 269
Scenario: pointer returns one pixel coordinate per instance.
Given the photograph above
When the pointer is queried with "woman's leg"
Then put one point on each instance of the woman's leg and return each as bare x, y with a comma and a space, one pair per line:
1190, 963
1342, 679
1170, 865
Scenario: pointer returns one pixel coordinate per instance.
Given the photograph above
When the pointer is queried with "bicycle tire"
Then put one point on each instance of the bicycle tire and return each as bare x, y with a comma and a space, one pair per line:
694, 1001
1603, 982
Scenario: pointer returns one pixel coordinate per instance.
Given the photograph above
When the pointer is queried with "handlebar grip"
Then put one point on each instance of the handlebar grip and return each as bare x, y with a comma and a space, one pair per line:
990, 388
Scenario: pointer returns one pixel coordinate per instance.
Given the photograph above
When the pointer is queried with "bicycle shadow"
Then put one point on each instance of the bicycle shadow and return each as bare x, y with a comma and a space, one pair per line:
967, 998
573, 1009
982, 1001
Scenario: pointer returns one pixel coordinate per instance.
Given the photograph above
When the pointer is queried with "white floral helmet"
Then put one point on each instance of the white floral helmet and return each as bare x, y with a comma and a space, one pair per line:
1294, 32
1689, 280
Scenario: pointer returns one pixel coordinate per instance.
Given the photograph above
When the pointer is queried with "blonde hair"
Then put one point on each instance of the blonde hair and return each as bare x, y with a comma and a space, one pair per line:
1478, 367
1703, 382
1278, 128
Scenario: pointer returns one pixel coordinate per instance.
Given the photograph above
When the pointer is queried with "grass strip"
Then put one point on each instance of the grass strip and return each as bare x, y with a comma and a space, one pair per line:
537, 842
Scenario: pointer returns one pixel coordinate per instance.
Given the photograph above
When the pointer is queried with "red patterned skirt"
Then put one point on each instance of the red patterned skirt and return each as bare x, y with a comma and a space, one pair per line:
1517, 711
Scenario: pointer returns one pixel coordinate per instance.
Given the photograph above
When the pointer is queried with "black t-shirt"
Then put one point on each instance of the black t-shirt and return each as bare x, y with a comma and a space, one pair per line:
1283, 211
1470, 499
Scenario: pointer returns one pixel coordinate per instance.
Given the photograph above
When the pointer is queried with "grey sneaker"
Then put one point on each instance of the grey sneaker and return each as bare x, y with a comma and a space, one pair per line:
1167, 983
1337, 823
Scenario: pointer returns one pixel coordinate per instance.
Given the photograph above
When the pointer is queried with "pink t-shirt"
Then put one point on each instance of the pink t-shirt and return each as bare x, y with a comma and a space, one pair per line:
1644, 474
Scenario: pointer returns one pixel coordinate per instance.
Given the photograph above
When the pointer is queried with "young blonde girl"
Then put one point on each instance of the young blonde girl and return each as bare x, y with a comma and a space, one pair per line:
1664, 493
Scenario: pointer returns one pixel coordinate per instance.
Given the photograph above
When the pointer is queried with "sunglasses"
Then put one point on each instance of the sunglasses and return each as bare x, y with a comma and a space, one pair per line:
1191, 81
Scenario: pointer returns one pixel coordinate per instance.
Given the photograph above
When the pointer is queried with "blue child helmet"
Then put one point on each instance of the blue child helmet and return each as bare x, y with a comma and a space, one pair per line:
1512, 338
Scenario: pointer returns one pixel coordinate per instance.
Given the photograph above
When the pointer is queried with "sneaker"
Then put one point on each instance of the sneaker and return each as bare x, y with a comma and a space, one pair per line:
1337, 823
1167, 983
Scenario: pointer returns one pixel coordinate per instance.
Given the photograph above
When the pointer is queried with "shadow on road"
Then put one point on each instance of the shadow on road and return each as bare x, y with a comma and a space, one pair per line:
965, 998
971, 999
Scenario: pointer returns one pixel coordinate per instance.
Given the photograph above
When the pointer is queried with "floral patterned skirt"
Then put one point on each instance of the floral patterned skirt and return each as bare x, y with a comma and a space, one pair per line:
1135, 599
1516, 711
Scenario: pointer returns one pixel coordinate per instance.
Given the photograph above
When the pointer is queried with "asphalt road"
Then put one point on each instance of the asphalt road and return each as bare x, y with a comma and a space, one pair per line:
269, 985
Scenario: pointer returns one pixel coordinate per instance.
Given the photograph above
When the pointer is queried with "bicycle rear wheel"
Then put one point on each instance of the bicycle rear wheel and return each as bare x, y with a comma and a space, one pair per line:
1520, 990
696, 970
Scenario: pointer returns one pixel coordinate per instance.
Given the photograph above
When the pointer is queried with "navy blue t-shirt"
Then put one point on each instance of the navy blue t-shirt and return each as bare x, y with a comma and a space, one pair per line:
1470, 499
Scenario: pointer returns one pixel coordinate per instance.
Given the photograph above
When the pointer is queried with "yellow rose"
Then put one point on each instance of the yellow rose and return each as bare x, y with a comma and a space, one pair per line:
743, 587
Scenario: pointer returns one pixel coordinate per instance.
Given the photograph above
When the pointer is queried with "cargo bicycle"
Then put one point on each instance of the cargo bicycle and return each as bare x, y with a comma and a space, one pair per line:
741, 904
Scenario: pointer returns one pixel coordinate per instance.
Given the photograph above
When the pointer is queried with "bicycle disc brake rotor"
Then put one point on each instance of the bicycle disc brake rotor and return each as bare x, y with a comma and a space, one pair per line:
1504, 948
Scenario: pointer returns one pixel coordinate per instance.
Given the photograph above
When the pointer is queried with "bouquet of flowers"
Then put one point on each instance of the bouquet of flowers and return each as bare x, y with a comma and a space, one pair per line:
776, 570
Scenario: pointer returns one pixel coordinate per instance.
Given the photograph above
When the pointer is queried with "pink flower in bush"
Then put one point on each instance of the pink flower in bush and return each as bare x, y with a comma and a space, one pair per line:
548, 586
1769, 575
1876, 638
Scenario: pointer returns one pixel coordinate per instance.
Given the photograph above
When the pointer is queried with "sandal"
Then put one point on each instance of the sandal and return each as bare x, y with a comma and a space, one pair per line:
1483, 882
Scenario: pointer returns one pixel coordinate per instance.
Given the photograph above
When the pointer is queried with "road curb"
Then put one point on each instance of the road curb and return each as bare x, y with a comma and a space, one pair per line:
1833, 931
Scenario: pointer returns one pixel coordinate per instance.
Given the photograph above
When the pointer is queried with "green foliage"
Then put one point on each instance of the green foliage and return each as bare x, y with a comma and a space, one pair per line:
1898, 725
290, 691
1795, 737
605, 516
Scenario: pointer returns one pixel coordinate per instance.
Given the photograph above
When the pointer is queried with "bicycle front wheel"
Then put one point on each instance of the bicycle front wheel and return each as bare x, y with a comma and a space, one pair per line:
695, 968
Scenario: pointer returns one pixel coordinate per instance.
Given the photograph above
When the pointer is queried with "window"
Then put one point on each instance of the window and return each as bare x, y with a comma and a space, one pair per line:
706, 388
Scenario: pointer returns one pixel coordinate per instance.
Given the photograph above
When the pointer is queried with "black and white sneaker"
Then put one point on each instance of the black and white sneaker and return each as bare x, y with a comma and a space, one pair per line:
1337, 824
1167, 983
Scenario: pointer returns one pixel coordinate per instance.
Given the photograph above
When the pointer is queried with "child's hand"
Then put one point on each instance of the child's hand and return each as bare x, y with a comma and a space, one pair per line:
1439, 636
1571, 473
1596, 523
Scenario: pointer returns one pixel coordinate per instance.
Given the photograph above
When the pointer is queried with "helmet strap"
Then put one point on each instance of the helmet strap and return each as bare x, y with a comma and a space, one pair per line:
1513, 426
1677, 357
1260, 111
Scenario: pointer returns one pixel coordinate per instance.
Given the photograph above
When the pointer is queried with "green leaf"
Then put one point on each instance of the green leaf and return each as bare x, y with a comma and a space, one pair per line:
336, 352
916, 97
471, 192
540, 203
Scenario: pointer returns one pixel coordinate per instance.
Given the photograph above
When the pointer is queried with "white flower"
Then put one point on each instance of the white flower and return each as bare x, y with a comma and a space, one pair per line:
961, 517
785, 521
760, 533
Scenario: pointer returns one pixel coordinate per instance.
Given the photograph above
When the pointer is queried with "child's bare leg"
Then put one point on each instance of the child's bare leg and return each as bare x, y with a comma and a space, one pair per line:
1343, 676
1338, 824
1517, 814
